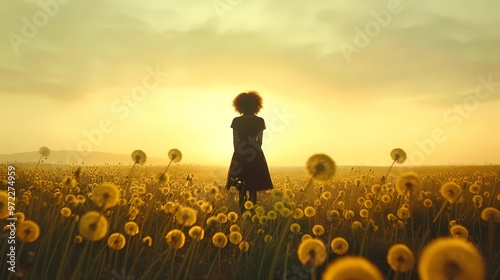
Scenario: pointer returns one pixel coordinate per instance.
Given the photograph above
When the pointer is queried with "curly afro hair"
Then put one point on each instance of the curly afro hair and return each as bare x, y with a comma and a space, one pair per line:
248, 103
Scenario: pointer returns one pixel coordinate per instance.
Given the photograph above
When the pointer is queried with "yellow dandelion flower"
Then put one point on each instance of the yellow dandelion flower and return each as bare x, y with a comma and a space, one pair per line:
409, 184
368, 204
65, 212
70, 198
186, 216
248, 205
244, 246
356, 226
234, 228
219, 240
458, 231
364, 213
259, 210
78, 239
295, 228
278, 206
131, 228
106, 195
339, 245
263, 220
298, 214
221, 218
148, 241
341, 205
352, 267
197, 233
326, 195
285, 212
272, 215
175, 155
312, 252
490, 214
268, 238
428, 203
318, 230
305, 237
20, 217
44, 151
309, 211
139, 157
403, 213
450, 191
93, 226
235, 237
68, 182
451, 258
321, 167
398, 155
400, 258
206, 208
477, 199
28, 231
349, 214
116, 241
247, 215
475, 188
376, 189
175, 238
232, 217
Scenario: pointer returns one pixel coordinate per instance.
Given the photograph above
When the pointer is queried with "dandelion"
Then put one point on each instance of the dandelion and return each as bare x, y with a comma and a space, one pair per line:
349, 214
116, 241
70, 198
44, 151
248, 205
260, 210
268, 238
93, 226
175, 238
341, 205
400, 258
321, 167
263, 220
78, 239
298, 214
162, 178
148, 241
235, 237
398, 155
408, 184
318, 230
244, 246
219, 240
451, 258
139, 157
326, 195
364, 213
186, 216
361, 200
475, 188
428, 203
221, 218
106, 195
285, 212
458, 231
477, 199
356, 226
350, 268
175, 155
4, 205
131, 228
490, 214
28, 231
312, 252
232, 217
206, 207
450, 191
339, 246
272, 215
234, 228
197, 233
65, 212
403, 213
368, 203
376, 189
295, 228
20, 217
68, 182
309, 211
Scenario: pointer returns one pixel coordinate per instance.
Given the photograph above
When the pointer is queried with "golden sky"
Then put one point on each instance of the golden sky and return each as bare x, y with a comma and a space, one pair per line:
350, 79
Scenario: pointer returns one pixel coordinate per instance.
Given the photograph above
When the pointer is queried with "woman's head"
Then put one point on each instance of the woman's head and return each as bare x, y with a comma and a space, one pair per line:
248, 103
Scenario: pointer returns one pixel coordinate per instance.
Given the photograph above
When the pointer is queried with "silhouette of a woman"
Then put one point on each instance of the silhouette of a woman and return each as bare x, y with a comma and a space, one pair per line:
248, 170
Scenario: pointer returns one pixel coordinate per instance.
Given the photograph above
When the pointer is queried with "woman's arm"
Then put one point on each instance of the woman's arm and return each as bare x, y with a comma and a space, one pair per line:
259, 138
235, 138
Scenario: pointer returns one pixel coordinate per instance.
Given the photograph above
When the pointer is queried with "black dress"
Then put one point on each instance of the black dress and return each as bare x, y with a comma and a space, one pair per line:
248, 170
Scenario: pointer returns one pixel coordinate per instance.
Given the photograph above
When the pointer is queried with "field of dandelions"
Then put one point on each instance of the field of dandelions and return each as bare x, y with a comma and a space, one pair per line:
319, 222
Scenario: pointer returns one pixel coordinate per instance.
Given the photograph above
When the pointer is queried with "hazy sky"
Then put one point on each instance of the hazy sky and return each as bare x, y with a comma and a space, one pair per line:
352, 79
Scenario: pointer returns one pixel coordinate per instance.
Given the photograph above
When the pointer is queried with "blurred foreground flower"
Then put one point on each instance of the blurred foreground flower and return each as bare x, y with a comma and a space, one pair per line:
451, 258
321, 167
351, 267
93, 226
312, 252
